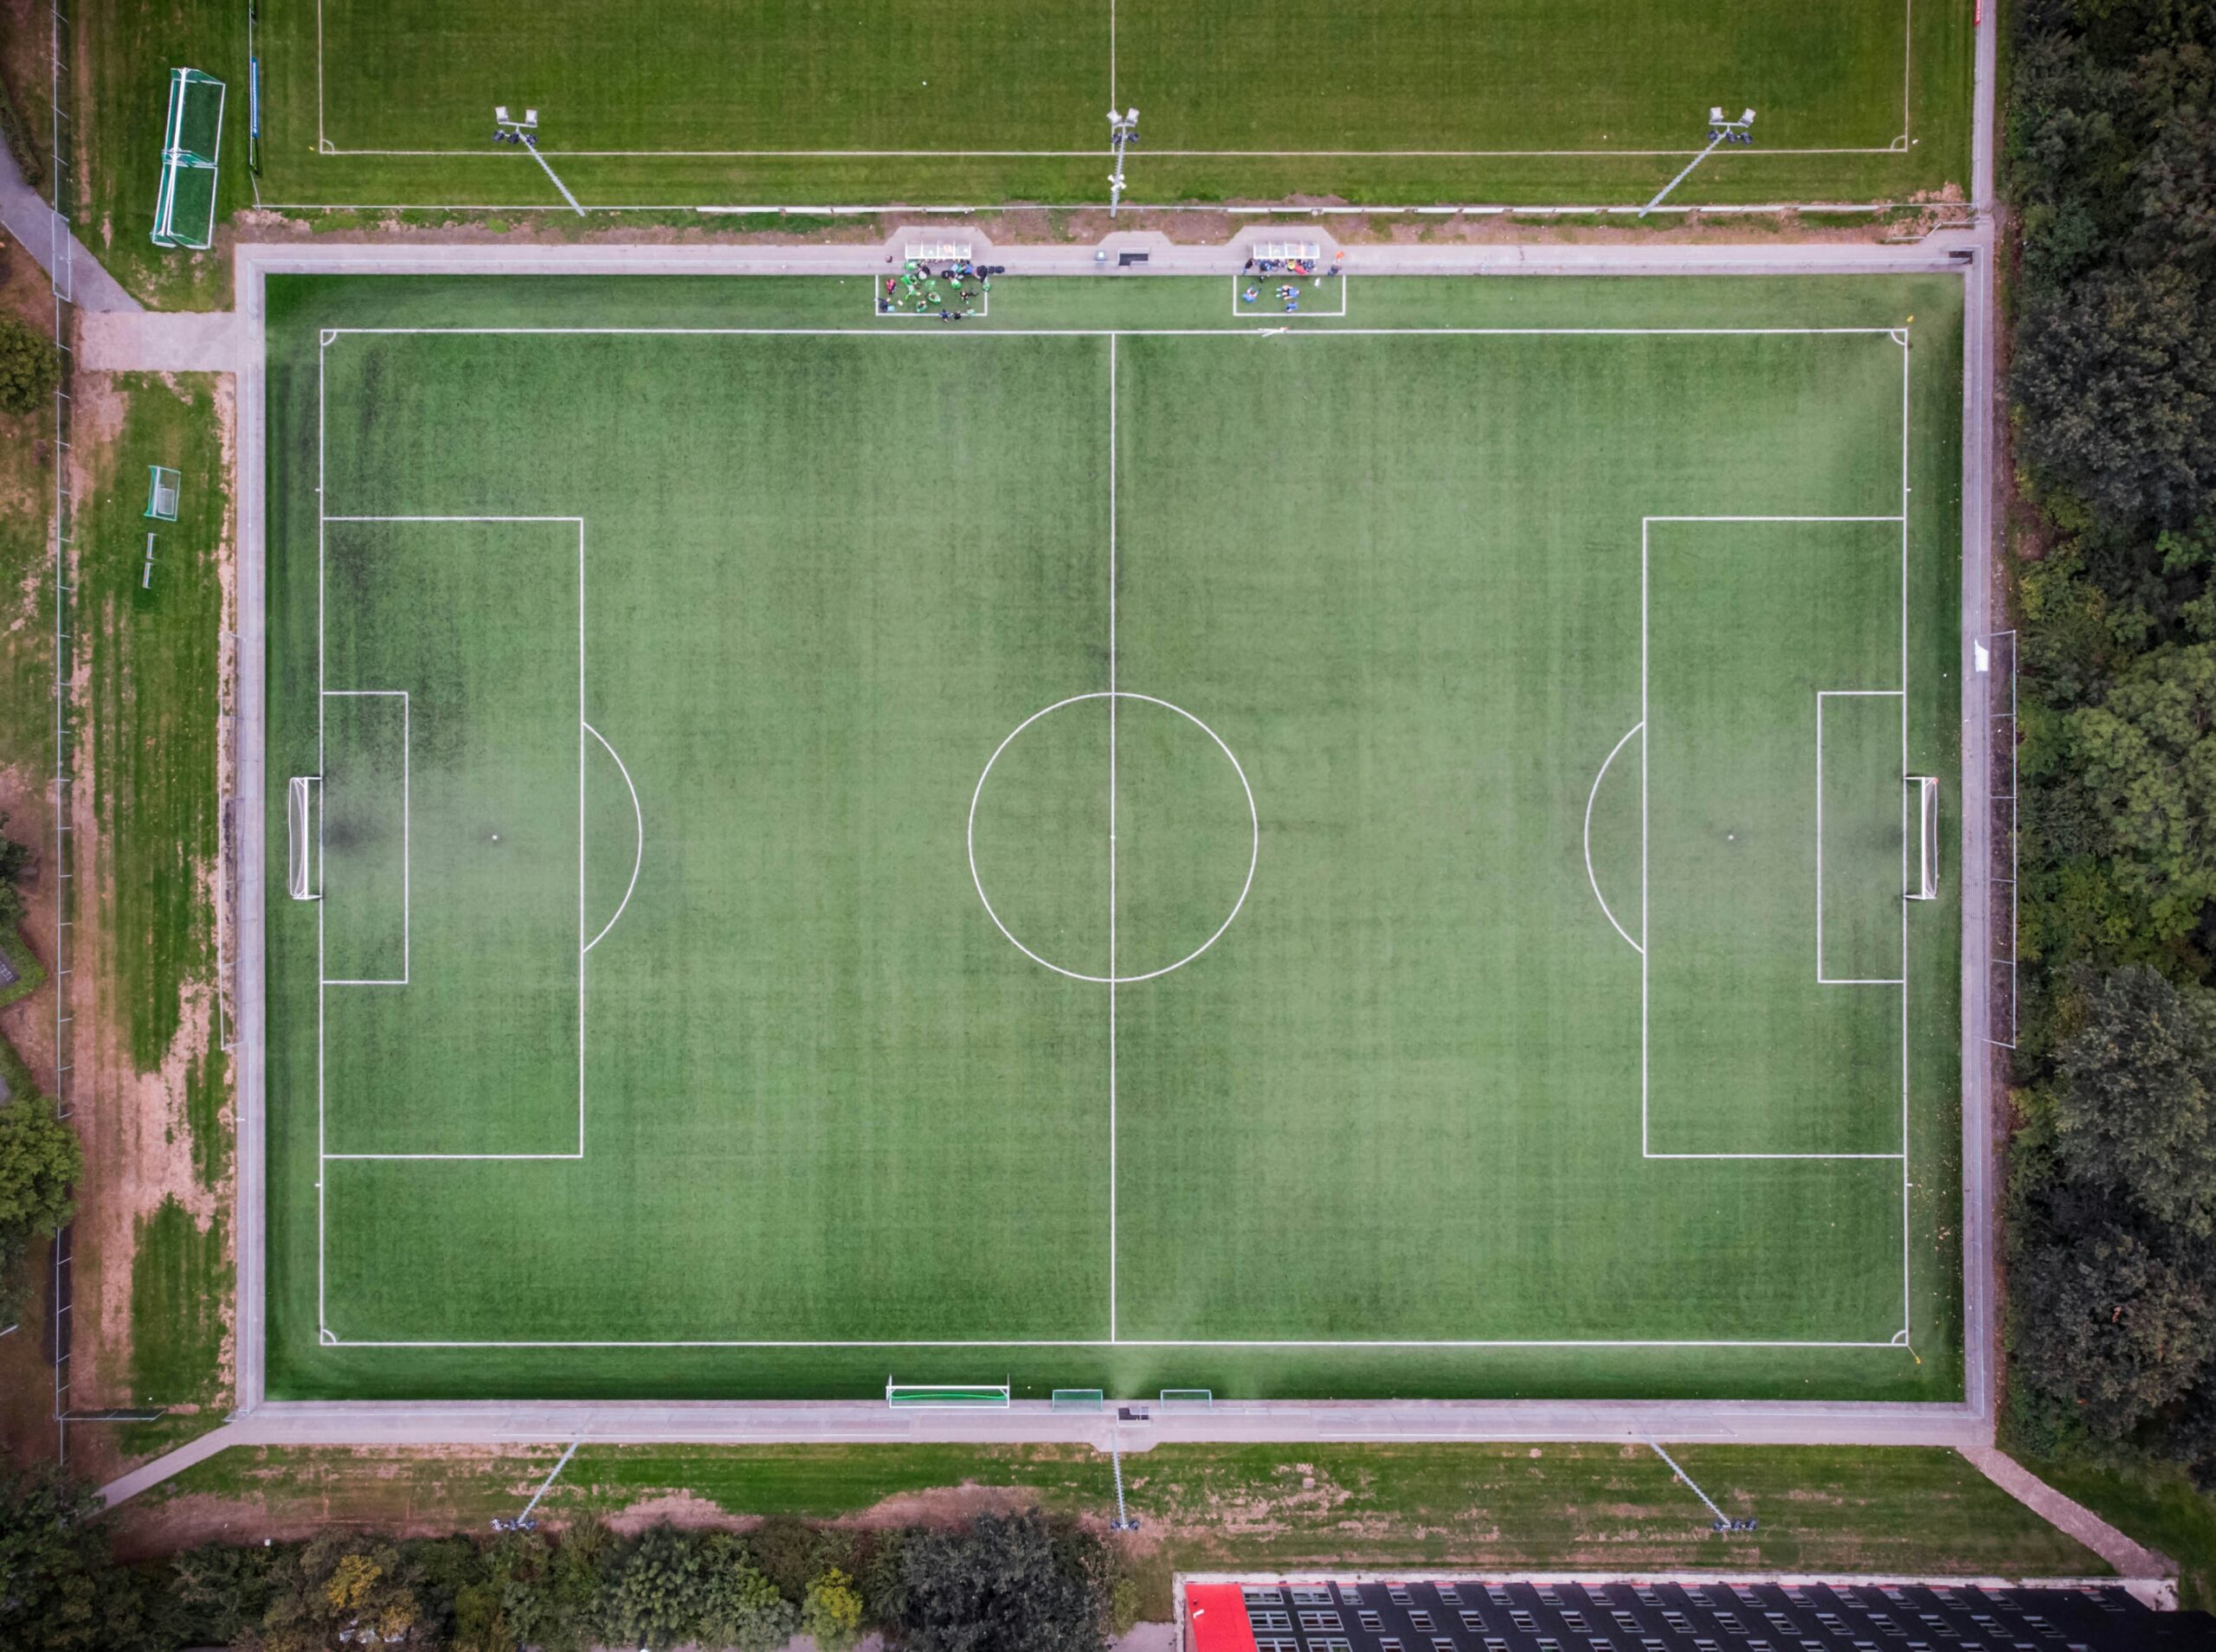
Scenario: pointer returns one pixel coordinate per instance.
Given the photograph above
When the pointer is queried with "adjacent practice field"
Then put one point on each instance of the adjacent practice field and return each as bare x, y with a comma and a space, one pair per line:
1109, 846
390, 102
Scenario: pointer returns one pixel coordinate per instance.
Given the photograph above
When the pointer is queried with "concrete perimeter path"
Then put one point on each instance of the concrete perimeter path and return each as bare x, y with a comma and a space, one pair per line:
76, 274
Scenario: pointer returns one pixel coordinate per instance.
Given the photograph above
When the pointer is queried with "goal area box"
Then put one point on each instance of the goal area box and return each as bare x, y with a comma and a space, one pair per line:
192, 141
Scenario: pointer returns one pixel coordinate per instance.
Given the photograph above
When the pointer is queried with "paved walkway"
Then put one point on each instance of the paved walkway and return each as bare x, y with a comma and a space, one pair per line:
2130, 1558
45, 235
162, 341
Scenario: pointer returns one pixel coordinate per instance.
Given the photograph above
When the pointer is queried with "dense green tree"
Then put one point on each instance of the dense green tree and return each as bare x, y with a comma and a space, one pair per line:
225, 1590
2101, 1319
831, 1613
787, 1551
2146, 757
2115, 380
550, 1593
655, 1590
30, 366
2136, 1108
52, 1563
40, 1161
997, 1586
345, 1589
740, 1608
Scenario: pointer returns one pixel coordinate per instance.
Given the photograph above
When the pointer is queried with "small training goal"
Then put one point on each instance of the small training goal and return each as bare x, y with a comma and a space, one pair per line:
1925, 789
301, 798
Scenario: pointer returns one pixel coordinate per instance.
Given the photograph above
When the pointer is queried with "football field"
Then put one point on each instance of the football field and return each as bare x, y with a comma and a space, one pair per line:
678, 105
1112, 844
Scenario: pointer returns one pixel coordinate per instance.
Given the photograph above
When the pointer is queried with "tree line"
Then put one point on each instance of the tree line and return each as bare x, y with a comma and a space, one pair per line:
1021, 1583
2110, 1211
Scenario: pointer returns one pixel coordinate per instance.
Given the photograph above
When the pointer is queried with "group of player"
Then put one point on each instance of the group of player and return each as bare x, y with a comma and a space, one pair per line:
917, 289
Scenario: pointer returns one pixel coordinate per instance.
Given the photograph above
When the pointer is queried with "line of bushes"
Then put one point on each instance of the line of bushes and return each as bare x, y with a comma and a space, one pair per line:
2111, 1197
1021, 1582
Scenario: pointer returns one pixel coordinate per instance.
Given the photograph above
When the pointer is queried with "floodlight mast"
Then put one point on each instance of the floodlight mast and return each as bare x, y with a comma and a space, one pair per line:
508, 130
1720, 130
1122, 131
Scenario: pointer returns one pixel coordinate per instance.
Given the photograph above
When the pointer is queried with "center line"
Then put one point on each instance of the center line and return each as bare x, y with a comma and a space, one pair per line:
1111, 837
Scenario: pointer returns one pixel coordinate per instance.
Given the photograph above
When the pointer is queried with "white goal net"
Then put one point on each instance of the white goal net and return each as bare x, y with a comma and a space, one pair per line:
301, 798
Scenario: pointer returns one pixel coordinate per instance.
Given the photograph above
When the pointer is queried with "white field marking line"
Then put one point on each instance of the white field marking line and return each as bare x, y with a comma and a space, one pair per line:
1720, 1518
325, 1334
1822, 980
1253, 816
1908, 1317
1134, 1342
1899, 1339
1115, 332
1239, 283
1645, 1150
407, 830
1589, 878
1111, 802
639, 853
1892, 148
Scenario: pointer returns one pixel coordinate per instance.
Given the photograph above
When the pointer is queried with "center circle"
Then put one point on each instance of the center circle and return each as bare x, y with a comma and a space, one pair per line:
1113, 836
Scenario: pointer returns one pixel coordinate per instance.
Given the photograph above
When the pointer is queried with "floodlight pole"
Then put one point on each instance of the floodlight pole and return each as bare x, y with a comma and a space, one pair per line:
1123, 131
523, 1522
526, 134
1719, 131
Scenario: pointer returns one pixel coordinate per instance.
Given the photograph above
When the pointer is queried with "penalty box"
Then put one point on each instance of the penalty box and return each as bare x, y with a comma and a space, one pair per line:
451, 836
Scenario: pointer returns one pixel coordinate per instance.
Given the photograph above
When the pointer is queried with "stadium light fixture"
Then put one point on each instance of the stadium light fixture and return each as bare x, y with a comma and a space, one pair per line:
1720, 130
1123, 133
506, 129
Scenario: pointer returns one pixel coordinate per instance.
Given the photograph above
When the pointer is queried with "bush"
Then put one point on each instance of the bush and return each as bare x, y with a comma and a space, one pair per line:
30, 367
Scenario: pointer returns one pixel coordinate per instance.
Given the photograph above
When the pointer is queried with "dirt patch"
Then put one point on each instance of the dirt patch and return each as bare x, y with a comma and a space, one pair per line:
681, 1509
943, 1505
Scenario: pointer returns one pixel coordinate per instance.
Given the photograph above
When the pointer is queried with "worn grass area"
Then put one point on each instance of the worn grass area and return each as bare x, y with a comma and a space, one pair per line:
180, 1282
1584, 1507
207, 1087
899, 100
2151, 1501
124, 54
150, 705
720, 739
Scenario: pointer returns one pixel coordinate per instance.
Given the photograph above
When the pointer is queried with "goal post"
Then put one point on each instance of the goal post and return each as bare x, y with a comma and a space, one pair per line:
192, 143
1925, 790
163, 486
300, 799
940, 1396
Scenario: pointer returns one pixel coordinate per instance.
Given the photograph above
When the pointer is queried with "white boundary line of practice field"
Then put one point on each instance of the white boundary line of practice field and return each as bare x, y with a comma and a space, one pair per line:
1898, 1340
1113, 972
1822, 980
407, 830
1898, 146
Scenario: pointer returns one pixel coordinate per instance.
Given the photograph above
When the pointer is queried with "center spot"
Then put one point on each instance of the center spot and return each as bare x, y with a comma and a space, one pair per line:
1175, 837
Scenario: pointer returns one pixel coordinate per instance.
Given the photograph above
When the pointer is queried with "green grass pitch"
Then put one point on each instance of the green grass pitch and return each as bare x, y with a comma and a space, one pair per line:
1095, 848
1570, 100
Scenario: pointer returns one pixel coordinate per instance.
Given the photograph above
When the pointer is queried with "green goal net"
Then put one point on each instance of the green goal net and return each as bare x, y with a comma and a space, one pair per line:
903, 1396
192, 141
